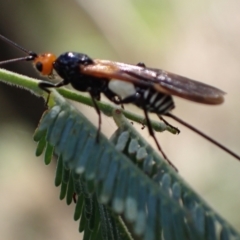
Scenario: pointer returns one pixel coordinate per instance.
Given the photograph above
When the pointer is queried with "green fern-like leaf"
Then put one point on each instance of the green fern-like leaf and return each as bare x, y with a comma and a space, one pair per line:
123, 177
124, 189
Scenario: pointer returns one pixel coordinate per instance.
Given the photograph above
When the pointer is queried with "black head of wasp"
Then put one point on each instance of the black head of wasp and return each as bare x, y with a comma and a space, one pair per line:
148, 88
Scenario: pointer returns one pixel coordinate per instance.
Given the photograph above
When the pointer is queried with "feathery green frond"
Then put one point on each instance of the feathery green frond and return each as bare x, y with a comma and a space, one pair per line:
125, 178
124, 189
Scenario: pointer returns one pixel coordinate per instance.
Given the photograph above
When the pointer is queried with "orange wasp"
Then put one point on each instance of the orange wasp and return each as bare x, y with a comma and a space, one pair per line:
148, 88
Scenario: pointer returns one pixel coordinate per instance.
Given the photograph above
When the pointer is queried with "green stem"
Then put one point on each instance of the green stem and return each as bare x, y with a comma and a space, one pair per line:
31, 84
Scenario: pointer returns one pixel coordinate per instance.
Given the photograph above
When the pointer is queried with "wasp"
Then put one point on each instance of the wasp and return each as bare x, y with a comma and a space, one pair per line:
150, 89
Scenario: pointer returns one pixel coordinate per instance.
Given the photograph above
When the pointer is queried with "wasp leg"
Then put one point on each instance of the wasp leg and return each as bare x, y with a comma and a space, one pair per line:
132, 99
129, 99
44, 85
168, 124
99, 115
122, 106
151, 132
117, 101
113, 98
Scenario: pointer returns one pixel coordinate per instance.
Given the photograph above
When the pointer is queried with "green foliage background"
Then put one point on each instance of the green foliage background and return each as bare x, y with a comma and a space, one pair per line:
198, 39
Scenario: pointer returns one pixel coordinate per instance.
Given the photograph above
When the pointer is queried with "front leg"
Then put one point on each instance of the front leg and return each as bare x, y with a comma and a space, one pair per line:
95, 96
44, 85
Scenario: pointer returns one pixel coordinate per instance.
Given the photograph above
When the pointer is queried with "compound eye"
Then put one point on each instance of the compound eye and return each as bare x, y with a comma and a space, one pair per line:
39, 66
44, 63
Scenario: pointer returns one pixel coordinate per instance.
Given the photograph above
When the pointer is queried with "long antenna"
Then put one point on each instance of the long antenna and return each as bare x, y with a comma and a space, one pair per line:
31, 55
203, 135
26, 58
14, 44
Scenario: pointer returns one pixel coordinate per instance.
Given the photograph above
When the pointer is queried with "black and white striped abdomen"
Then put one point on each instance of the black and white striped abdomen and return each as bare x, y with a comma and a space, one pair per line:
155, 101
148, 98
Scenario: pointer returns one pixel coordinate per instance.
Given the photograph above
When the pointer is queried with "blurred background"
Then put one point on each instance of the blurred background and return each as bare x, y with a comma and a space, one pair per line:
198, 39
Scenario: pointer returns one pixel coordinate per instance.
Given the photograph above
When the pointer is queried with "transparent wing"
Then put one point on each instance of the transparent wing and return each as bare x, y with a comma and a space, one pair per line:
162, 81
180, 86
